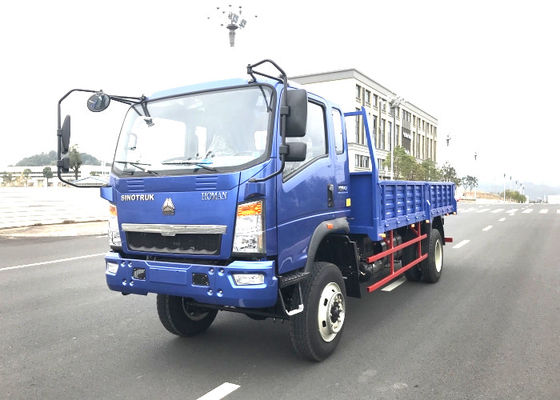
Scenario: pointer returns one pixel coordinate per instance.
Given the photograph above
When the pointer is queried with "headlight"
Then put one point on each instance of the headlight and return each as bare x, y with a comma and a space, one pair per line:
249, 228
113, 232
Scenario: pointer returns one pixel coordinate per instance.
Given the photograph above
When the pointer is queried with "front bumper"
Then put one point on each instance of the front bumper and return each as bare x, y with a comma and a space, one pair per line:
174, 278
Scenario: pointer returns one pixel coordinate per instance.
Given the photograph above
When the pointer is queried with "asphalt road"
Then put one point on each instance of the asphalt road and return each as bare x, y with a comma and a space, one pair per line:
489, 329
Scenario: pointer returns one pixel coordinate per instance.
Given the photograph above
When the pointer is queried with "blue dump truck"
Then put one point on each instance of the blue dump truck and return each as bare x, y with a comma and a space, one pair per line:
236, 196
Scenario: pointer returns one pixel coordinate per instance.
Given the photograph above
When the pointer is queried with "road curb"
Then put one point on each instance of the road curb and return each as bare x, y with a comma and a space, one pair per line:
89, 228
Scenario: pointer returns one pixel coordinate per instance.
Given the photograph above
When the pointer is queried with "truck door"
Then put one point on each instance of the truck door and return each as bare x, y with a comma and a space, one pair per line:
341, 168
305, 191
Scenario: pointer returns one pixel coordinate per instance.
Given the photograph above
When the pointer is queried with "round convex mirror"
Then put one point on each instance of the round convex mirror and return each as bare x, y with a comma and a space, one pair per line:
98, 102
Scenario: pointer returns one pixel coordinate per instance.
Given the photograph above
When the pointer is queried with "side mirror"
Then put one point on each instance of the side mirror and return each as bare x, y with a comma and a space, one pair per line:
65, 135
297, 151
98, 102
296, 121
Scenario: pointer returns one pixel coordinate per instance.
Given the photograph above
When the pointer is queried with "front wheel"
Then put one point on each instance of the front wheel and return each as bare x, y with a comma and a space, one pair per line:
316, 331
181, 318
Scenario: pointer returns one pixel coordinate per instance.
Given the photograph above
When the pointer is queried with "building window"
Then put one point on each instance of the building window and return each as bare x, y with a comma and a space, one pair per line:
358, 128
368, 97
375, 100
361, 161
358, 92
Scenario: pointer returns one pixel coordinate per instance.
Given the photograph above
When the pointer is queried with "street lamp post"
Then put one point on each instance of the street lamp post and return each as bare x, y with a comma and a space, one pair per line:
396, 102
234, 22
475, 156
504, 187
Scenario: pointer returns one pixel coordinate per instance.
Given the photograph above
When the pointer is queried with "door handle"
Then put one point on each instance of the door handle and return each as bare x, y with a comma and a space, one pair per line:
330, 195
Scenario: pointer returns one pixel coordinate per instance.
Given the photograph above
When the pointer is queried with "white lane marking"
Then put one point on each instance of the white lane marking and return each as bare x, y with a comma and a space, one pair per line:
101, 236
50, 262
502, 219
394, 285
467, 210
487, 228
483, 210
497, 210
527, 211
543, 211
220, 392
461, 244
512, 211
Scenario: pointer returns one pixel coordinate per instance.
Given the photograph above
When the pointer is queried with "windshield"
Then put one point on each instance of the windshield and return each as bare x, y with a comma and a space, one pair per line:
212, 131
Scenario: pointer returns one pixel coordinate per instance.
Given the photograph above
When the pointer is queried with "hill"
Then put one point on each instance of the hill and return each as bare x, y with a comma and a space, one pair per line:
49, 158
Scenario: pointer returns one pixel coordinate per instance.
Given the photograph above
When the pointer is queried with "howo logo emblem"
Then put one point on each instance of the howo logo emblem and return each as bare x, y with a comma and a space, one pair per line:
168, 207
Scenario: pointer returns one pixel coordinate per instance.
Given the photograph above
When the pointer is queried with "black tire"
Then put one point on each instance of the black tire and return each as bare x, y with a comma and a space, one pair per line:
409, 254
313, 332
182, 319
433, 265
414, 274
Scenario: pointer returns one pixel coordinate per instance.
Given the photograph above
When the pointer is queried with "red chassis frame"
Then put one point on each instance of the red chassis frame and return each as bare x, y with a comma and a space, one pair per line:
392, 250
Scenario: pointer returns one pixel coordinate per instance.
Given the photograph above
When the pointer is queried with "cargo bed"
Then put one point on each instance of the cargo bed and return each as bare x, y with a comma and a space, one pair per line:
379, 206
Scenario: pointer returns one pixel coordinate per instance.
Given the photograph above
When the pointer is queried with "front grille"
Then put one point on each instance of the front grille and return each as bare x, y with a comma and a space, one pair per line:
205, 244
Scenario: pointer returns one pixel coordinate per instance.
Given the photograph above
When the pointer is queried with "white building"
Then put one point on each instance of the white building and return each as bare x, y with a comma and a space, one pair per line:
415, 129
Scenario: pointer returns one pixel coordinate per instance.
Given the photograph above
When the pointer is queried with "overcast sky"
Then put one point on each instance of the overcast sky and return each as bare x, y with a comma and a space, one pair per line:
489, 70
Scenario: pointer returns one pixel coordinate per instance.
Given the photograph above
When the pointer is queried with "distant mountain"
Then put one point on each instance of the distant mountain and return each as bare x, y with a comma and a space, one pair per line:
38, 159
49, 158
533, 191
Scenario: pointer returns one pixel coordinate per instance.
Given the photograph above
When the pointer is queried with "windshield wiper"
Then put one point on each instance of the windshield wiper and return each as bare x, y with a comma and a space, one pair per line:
138, 165
201, 164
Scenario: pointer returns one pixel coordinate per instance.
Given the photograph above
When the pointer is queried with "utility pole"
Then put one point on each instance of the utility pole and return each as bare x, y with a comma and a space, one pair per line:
504, 187
394, 103
475, 156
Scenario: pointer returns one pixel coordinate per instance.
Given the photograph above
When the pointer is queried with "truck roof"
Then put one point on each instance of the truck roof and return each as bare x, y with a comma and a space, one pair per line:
203, 86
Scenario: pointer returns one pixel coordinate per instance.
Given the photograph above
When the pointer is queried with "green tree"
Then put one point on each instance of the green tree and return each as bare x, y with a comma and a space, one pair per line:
404, 165
470, 182
25, 174
7, 178
514, 195
48, 174
75, 161
449, 174
429, 171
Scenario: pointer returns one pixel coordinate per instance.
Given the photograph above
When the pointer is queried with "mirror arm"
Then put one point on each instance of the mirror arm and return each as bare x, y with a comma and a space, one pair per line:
284, 112
123, 99
145, 107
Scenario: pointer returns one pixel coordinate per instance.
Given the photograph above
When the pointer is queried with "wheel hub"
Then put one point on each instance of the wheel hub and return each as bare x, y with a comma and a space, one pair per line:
438, 256
193, 313
330, 315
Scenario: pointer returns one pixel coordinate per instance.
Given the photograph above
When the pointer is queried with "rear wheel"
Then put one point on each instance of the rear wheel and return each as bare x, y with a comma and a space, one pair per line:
431, 269
316, 331
181, 318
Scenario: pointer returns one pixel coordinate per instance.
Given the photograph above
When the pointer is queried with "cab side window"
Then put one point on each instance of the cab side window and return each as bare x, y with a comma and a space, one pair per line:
315, 138
338, 122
